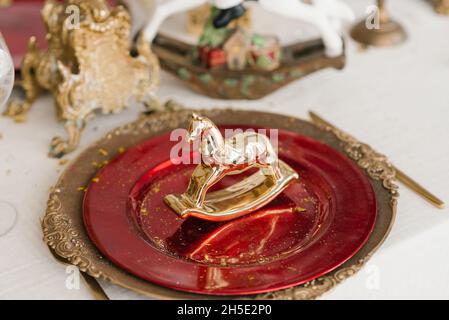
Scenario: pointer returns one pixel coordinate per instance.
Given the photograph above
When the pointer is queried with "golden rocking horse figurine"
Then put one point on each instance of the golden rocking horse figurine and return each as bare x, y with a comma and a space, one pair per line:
219, 158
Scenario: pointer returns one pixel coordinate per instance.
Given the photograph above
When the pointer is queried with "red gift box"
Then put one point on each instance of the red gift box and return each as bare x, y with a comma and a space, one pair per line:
212, 57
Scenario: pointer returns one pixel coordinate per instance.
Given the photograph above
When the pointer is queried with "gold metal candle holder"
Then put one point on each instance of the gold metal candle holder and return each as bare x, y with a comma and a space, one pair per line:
219, 158
389, 32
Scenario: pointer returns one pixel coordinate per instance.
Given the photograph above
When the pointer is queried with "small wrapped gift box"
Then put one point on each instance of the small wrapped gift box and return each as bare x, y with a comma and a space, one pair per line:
265, 53
212, 57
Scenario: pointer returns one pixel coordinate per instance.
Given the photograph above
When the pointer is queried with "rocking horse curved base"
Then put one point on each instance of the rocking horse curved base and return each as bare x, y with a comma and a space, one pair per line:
237, 200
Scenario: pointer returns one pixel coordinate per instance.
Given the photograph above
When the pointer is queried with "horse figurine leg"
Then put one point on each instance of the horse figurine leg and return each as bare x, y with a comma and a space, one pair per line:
271, 167
276, 172
203, 177
266, 157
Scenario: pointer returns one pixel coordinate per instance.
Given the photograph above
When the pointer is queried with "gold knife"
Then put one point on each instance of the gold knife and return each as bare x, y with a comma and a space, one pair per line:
400, 175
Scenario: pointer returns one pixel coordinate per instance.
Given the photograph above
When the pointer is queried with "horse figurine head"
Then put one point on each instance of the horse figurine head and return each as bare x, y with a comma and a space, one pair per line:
197, 127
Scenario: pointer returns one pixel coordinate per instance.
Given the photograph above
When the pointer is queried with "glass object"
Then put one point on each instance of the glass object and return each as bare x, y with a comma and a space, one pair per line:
6, 72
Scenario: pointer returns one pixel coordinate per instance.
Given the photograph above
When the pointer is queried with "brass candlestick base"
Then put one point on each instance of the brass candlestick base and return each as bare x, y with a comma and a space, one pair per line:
389, 33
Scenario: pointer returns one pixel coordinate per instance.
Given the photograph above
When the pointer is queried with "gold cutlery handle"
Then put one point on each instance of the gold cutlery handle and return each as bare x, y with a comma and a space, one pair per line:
418, 189
400, 175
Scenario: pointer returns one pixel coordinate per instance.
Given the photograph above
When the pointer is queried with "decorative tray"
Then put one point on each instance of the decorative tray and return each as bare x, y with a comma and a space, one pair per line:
299, 60
321, 230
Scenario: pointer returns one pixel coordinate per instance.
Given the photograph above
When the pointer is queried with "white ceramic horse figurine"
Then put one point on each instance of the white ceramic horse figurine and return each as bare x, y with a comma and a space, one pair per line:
326, 15
220, 157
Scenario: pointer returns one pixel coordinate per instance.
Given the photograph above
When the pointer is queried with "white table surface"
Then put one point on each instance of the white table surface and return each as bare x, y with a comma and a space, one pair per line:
395, 99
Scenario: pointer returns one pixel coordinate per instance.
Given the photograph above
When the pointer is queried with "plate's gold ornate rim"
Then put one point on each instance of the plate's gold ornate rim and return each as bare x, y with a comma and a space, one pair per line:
63, 226
379, 168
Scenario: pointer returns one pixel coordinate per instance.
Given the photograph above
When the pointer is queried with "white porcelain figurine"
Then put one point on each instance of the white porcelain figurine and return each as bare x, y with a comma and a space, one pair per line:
326, 15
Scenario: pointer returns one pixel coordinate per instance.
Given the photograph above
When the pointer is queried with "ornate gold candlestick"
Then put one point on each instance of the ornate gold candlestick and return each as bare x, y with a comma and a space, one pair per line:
388, 32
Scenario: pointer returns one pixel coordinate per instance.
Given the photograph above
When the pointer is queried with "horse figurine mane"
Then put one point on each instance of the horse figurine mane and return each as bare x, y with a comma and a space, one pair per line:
221, 157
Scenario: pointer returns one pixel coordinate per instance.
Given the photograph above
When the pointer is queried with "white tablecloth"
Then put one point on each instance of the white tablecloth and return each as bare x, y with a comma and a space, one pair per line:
396, 99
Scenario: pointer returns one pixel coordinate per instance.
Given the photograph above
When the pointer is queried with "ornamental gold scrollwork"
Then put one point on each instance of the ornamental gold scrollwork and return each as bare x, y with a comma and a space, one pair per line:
89, 65
63, 238
314, 289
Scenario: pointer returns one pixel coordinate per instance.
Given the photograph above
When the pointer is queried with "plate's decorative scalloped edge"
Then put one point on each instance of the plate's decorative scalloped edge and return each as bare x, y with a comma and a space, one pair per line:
64, 239
317, 287
378, 167
60, 236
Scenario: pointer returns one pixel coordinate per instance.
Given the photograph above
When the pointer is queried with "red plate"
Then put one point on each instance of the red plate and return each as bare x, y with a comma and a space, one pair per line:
313, 227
